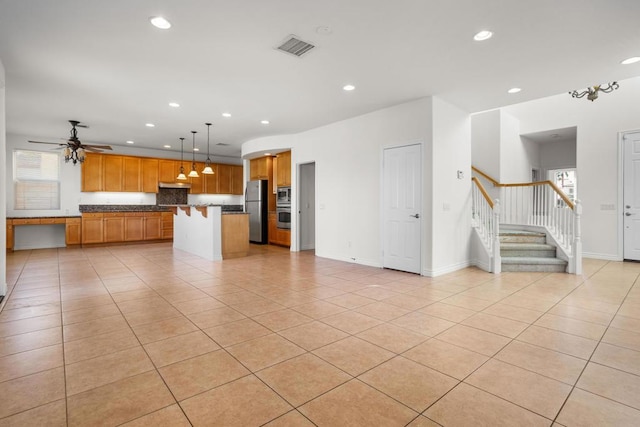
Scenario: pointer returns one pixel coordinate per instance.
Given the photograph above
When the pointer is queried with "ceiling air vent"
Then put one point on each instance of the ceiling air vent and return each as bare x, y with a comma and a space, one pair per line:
295, 46
222, 144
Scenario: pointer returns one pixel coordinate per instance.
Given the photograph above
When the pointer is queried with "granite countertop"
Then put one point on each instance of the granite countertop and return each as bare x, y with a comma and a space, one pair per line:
123, 208
44, 217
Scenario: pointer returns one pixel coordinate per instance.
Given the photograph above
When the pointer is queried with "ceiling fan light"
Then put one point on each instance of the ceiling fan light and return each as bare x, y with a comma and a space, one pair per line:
160, 22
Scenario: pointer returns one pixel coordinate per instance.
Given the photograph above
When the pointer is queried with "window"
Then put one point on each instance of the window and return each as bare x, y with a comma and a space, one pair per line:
36, 178
566, 180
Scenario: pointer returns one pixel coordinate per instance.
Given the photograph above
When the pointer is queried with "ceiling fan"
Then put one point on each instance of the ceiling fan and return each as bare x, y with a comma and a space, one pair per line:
74, 150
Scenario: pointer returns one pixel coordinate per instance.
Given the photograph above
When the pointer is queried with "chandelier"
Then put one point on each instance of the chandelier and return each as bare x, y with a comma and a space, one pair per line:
592, 92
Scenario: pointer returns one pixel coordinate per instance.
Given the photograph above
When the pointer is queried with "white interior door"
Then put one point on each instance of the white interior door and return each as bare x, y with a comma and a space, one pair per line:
402, 208
307, 205
631, 196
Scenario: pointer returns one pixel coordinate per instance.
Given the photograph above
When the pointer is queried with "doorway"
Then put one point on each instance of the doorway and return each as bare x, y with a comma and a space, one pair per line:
307, 207
402, 208
631, 196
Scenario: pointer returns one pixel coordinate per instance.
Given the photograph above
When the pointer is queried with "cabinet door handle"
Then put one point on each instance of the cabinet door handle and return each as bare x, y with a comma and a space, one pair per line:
415, 216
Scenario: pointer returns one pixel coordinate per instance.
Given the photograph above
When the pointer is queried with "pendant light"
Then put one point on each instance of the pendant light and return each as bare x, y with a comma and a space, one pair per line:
207, 165
181, 175
194, 172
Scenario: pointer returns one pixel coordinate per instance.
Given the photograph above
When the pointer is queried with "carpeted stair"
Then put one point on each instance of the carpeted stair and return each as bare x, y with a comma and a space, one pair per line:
528, 251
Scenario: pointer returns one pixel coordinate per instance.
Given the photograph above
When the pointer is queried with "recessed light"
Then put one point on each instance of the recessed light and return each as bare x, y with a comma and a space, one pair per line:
265, 122
150, 125
160, 22
226, 114
174, 104
196, 149
348, 87
631, 60
324, 30
267, 154
166, 146
514, 90
483, 35
129, 142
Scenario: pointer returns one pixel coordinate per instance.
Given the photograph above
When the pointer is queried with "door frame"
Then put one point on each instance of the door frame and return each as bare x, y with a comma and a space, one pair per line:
620, 219
423, 227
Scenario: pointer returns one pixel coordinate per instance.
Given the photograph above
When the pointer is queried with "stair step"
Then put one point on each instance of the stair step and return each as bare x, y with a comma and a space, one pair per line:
533, 264
522, 236
540, 250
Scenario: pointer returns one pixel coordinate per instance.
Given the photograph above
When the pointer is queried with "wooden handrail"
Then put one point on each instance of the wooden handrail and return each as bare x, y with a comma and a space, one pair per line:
487, 177
555, 188
483, 191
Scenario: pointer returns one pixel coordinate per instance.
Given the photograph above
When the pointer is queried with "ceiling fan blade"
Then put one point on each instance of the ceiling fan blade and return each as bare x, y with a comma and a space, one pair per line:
53, 143
91, 149
102, 147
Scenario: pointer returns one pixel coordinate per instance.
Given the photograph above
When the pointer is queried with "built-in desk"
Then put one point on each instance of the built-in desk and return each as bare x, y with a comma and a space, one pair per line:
73, 226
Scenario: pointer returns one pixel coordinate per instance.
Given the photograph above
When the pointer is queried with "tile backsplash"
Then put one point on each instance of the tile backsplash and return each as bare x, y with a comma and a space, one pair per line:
172, 196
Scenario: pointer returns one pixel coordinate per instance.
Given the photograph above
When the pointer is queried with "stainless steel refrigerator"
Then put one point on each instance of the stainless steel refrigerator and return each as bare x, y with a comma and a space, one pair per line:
256, 204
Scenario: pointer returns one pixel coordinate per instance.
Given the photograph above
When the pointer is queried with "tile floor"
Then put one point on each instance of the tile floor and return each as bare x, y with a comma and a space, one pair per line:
147, 336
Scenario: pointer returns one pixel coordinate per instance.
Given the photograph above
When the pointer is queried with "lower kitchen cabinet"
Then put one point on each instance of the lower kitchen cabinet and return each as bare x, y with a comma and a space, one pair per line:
167, 225
92, 228
133, 226
73, 231
152, 226
113, 227
278, 236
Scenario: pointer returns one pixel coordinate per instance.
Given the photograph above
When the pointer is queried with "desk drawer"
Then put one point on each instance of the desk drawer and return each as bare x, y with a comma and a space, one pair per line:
26, 221
53, 220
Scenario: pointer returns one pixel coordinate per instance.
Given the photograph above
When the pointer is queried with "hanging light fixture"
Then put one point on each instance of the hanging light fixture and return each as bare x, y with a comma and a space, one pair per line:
194, 172
207, 165
592, 92
181, 175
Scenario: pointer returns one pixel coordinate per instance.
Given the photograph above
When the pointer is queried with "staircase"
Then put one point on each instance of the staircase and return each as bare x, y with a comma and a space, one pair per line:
528, 251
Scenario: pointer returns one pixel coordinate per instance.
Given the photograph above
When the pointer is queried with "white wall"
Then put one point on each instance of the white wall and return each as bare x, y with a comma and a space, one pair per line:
597, 157
451, 196
557, 155
348, 157
485, 149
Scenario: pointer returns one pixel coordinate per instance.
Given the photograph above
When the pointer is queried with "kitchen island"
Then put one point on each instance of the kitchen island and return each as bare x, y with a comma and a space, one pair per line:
208, 232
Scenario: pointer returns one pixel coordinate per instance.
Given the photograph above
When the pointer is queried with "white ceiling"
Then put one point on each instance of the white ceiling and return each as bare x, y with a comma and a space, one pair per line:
101, 62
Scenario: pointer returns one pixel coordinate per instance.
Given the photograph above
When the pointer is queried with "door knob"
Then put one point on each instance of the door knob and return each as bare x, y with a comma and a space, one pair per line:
628, 213
415, 216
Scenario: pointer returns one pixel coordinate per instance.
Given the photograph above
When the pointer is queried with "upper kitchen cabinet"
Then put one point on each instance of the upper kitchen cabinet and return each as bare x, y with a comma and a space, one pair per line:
149, 176
168, 170
237, 180
132, 174
260, 168
112, 173
197, 184
225, 179
284, 169
92, 172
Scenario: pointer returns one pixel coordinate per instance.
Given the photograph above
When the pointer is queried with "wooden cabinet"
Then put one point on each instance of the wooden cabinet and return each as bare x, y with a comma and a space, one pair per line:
211, 180
92, 173
152, 226
133, 226
235, 235
278, 236
197, 184
237, 180
73, 231
9, 235
168, 170
92, 228
112, 173
284, 169
113, 227
166, 225
225, 184
260, 168
132, 174
149, 175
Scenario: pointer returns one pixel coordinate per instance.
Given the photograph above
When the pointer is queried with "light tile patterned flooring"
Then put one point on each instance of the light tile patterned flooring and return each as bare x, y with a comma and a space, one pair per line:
147, 336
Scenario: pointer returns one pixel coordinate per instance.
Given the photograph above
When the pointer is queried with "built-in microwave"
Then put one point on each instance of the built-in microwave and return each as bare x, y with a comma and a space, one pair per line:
283, 196
283, 214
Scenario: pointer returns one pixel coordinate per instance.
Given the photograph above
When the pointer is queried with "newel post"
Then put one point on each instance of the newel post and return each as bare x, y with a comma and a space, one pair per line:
577, 239
497, 259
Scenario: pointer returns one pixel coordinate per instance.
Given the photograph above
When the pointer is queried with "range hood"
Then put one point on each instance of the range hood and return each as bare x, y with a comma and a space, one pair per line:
174, 185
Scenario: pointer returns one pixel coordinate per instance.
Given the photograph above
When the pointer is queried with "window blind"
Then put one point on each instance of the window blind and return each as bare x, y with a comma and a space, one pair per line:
36, 178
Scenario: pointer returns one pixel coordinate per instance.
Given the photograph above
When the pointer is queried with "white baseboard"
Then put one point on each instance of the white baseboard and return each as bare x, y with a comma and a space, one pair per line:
606, 257
486, 266
445, 270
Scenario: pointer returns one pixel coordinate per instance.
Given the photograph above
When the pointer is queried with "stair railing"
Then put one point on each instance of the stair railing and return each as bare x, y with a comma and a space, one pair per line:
486, 219
543, 204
